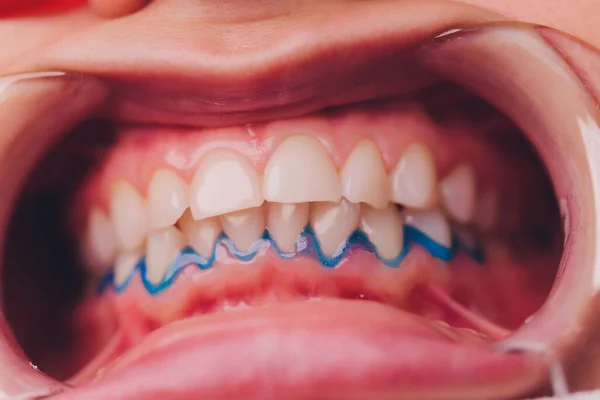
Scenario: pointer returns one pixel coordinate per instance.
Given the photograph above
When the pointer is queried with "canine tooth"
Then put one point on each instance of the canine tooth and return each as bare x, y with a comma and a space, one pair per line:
486, 214
124, 264
129, 216
433, 223
414, 179
100, 245
458, 193
384, 228
161, 248
225, 181
285, 222
333, 223
168, 197
364, 178
200, 235
299, 171
244, 227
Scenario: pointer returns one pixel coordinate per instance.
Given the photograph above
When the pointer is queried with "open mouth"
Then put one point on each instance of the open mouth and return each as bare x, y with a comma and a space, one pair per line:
385, 241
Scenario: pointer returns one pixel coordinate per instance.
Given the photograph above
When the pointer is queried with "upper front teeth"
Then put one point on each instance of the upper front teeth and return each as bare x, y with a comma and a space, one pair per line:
225, 181
458, 193
414, 179
129, 216
168, 198
301, 183
299, 171
364, 177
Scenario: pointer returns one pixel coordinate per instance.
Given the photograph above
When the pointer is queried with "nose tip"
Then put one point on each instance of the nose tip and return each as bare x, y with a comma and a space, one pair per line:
116, 8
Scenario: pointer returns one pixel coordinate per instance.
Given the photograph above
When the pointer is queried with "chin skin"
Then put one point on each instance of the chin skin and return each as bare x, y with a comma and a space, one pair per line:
52, 41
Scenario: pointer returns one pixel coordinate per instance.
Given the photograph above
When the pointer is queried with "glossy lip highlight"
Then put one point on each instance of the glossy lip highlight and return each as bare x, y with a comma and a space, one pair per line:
581, 250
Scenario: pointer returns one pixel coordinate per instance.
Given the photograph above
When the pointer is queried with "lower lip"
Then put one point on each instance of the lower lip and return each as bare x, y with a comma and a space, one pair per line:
330, 349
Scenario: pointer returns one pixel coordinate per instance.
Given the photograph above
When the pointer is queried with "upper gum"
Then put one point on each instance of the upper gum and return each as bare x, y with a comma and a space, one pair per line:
151, 149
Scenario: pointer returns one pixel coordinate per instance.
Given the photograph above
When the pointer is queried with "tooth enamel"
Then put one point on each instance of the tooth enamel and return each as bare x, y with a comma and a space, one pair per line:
285, 222
458, 193
100, 245
364, 178
224, 182
168, 197
486, 214
333, 223
414, 179
200, 235
384, 228
124, 264
129, 216
432, 223
244, 227
161, 248
299, 171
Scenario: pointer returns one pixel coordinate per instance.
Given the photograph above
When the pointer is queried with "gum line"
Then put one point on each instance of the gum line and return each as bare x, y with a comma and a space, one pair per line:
306, 245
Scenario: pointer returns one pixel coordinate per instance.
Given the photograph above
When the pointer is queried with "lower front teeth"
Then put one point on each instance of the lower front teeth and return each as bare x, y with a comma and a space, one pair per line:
333, 228
333, 223
244, 227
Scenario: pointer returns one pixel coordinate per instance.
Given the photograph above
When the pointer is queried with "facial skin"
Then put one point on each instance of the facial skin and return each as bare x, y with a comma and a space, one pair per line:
44, 42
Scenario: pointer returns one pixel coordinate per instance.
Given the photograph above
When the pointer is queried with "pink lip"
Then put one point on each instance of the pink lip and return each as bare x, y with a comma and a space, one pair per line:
329, 349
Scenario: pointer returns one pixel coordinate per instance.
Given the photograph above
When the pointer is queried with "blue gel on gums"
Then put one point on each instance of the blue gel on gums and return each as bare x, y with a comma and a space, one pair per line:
306, 245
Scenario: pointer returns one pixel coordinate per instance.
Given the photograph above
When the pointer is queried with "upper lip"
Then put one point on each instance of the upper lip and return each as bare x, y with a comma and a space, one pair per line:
212, 85
282, 72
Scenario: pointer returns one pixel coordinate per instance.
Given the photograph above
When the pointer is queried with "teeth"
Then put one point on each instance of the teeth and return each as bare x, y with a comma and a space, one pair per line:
486, 214
458, 193
168, 197
364, 178
285, 222
414, 179
299, 171
333, 223
200, 235
225, 181
244, 227
384, 229
433, 223
161, 248
100, 245
129, 216
124, 264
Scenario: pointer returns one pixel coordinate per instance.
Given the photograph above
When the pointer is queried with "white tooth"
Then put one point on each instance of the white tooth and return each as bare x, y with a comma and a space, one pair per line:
285, 222
458, 193
333, 223
244, 227
129, 216
161, 248
200, 235
225, 181
432, 223
486, 215
364, 178
124, 264
299, 171
384, 228
168, 197
414, 179
100, 245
